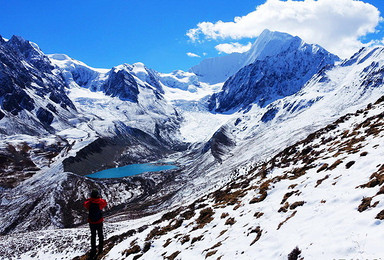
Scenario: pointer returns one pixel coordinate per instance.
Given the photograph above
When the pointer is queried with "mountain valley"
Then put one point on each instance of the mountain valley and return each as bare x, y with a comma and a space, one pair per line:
278, 152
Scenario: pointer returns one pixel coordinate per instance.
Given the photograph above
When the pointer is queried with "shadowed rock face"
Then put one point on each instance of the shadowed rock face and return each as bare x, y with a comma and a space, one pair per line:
44, 116
220, 144
27, 79
121, 84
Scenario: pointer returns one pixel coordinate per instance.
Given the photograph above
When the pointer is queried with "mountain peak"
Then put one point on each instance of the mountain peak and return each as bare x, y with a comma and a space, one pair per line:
270, 43
17, 39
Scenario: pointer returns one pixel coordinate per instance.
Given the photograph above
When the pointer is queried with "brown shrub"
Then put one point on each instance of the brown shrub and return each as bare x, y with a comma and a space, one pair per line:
225, 197
133, 250
296, 204
222, 232
185, 239
224, 215
230, 221
258, 232
323, 167
376, 178
295, 254
211, 253
171, 215
263, 196
137, 257
365, 204
258, 214
157, 231
349, 164
321, 181
284, 208
381, 191
380, 100
218, 244
282, 223
287, 195
167, 242
195, 239
380, 215
205, 217
298, 172
188, 214
335, 164
173, 256
146, 247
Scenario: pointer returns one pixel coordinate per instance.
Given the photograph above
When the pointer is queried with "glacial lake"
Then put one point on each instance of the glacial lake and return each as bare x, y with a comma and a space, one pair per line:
130, 170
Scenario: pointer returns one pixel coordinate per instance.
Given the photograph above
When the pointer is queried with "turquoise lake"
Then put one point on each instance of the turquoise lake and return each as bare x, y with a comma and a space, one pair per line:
130, 170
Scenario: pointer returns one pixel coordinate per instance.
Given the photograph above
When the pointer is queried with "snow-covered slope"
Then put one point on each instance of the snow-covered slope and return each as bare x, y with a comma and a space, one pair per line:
263, 131
319, 198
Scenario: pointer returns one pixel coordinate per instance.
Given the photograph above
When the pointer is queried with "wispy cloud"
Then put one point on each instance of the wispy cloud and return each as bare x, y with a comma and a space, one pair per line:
233, 47
193, 55
336, 25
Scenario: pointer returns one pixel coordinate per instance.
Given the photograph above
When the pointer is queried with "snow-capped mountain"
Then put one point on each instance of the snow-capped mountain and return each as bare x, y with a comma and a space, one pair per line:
281, 67
268, 44
33, 98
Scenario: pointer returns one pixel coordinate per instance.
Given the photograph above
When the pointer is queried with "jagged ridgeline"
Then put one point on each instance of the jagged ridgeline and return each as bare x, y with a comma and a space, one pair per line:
275, 148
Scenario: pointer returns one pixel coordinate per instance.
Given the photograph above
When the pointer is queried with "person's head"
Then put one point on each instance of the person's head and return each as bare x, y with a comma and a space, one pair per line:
95, 194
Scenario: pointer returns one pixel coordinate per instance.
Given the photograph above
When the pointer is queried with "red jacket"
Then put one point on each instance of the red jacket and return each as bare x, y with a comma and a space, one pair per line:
102, 204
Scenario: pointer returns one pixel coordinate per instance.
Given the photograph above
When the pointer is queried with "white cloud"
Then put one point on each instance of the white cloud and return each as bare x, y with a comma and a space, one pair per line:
193, 55
233, 47
336, 25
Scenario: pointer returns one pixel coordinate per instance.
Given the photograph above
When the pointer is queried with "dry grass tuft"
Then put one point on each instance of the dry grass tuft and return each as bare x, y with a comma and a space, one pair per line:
204, 218
365, 204
321, 181
296, 204
230, 221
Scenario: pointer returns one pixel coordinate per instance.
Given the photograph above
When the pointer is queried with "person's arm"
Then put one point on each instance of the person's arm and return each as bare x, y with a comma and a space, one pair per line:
103, 203
86, 204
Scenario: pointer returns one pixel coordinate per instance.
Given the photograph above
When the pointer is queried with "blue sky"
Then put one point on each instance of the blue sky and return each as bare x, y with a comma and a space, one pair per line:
105, 33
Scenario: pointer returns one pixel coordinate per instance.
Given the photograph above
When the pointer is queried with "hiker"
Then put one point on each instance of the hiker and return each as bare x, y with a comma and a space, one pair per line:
94, 205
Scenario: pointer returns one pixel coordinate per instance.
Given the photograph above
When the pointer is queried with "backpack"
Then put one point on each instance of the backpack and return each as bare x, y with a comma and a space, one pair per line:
95, 213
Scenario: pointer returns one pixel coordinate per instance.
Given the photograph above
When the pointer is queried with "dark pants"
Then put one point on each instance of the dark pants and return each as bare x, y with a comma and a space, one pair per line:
99, 229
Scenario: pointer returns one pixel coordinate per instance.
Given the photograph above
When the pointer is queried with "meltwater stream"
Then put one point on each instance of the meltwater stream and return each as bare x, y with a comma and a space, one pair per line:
130, 170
